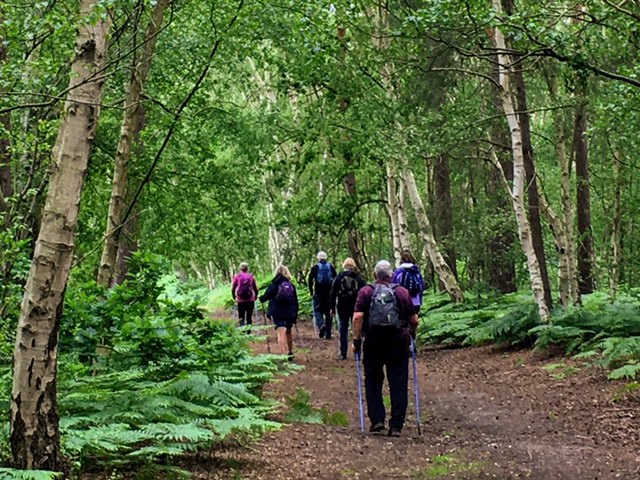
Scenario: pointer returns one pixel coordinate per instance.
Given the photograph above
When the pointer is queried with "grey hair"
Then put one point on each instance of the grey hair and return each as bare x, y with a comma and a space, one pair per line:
244, 266
321, 255
383, 270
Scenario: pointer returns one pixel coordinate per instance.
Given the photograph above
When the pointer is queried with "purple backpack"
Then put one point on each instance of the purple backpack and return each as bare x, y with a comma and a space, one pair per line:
286, 292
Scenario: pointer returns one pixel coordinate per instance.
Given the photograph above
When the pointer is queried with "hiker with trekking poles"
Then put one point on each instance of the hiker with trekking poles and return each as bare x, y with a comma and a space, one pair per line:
384, 326
283, 308
244, 291
344, 292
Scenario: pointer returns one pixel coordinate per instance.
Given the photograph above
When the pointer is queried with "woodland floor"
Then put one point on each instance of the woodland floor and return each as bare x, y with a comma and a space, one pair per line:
486, 413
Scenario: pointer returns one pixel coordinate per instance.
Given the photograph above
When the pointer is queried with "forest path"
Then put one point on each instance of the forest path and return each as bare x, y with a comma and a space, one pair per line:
485, 414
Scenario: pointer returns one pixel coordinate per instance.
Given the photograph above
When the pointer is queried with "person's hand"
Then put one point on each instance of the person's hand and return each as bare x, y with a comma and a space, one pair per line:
357, 345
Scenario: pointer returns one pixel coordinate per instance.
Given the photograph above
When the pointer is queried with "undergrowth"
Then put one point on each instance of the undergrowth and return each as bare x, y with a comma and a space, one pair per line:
144, 375
604, 330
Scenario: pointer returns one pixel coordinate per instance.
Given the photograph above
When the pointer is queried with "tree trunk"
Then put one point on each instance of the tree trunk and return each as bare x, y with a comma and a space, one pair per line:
530, 178
519, 175
563, 231
502, 270
586, 283
616, 233
35, 436
426, 232
396, 210
392, 211
129, 131
520, 96
6, 186
443, 210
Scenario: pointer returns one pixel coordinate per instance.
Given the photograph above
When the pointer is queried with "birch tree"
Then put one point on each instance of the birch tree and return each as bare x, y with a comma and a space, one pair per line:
518, 187
440, 265
35, 436
129, 130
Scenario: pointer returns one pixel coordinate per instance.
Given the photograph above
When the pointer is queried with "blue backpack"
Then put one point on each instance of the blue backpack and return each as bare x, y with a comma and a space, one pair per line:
324, 276
412, 281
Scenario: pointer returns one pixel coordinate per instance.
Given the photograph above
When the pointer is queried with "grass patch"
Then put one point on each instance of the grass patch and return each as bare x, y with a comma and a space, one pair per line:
446, 465
561, 371
300, 410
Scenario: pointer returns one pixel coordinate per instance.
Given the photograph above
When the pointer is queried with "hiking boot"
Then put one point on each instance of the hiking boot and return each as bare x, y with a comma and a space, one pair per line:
321, 332
290, 357
394, 432
376, 427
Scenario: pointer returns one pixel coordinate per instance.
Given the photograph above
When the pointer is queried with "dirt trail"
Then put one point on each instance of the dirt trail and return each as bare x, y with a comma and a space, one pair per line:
485, 414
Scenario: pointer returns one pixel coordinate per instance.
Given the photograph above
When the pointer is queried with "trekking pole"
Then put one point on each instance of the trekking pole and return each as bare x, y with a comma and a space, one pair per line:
264, 322
416, 388
360, 392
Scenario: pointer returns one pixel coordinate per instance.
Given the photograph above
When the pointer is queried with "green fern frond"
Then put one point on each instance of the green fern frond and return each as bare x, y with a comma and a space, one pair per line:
14, 474
186, 432
628, 371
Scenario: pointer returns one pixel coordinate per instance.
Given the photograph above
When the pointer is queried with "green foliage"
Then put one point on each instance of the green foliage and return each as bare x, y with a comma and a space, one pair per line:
505, 319
13, 474
600, 328
143, 374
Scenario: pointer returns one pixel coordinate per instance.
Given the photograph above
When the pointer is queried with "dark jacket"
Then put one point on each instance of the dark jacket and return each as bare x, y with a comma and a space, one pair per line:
278, 308
345, 304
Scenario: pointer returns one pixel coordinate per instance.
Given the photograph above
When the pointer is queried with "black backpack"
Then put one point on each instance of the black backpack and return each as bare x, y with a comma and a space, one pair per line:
348, 287
383, 309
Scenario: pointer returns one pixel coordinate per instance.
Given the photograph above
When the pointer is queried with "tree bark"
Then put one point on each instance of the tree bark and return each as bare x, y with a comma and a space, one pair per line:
35, 436
396, 210
520, 96
519, 175
6, 186
616, 231
426, 232
129, 131
501, 264
586, 282
443, 210
563, 230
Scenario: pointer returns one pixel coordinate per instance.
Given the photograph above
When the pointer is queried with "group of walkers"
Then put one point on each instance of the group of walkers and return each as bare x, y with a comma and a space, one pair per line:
383, 317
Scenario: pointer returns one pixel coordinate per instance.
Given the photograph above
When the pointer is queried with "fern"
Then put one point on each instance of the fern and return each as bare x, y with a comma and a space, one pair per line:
13, 474
628, 371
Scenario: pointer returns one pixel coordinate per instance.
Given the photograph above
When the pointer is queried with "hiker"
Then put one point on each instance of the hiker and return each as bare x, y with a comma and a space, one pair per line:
385, 317
283, 308
344, 291
408, 275
244, 291
320, 280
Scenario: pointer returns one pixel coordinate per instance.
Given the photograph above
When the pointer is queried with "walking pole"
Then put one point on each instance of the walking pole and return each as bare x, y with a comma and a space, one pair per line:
264, 322
416, 388
360, 393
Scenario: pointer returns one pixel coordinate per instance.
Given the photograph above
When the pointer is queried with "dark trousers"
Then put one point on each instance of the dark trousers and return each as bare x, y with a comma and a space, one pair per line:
375, 360
344, 319
322, 314
245, 313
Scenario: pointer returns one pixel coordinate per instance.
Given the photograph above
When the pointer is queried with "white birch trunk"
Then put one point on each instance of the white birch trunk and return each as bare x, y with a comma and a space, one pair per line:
35, 437
518, 189
392, 210
426, 232
139, 74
